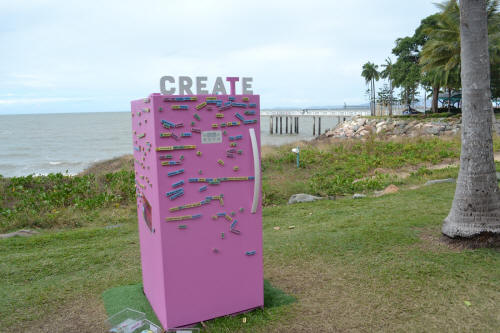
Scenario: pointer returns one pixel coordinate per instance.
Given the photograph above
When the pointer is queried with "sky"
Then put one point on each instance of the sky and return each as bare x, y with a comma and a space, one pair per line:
94, 56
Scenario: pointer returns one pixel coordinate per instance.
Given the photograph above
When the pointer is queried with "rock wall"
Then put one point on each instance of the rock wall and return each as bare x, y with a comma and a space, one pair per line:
359, 127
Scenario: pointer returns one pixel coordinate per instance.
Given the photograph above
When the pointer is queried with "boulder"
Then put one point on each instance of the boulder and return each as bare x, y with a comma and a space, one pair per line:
359, 127
22, 233
413, 123
355, 128
399, 130
302, 197
413, 134
363, 132
381, 128
358, 196
388, 190
430, 129
360, 121
369, 128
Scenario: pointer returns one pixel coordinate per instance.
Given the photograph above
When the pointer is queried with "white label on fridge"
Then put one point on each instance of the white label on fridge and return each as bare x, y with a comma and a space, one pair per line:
211, 137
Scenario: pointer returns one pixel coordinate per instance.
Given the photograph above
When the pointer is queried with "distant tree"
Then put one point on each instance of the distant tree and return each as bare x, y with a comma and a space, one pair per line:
494, 48
406, 70
385, 97
440, 56
476, 205
386, 73
371, 75
432, 79
495, 81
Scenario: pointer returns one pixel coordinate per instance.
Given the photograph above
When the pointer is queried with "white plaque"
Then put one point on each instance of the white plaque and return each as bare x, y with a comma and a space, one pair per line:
211, 137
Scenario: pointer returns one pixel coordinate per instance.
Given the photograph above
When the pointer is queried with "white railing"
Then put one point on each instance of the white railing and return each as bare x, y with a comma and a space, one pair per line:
317, 112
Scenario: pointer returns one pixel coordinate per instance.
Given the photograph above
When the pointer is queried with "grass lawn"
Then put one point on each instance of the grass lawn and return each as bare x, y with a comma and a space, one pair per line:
373, 264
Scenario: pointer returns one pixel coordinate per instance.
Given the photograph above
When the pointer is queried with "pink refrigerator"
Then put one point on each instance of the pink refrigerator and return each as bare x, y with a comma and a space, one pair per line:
198, 184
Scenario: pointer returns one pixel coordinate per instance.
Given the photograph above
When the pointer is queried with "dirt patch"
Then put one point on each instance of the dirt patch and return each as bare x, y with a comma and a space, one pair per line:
433, 240
81, 315
113, 165
406, 172
444, 164
483, 240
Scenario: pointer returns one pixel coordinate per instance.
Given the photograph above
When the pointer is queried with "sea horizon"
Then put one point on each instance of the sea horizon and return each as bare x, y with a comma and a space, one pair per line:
276, 108
69, 142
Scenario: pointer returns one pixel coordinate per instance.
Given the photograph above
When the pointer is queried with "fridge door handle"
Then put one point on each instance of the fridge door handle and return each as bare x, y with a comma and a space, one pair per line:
256, 168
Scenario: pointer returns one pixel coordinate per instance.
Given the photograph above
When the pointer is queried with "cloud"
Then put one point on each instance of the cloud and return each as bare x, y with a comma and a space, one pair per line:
27, 80
41, 100
298, 52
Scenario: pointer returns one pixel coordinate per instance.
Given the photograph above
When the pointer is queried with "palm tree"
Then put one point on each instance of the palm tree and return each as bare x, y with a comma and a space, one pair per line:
386, 73
371, 75
476, 205
440, 56
434, 78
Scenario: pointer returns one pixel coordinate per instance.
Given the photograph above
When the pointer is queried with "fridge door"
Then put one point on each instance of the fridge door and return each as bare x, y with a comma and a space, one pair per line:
211, 230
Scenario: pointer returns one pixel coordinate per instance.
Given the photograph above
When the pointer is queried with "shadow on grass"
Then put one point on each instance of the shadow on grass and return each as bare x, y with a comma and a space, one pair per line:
131, 296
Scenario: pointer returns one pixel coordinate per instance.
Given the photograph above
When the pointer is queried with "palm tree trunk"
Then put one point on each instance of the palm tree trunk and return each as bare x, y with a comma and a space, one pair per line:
425, 100
408, 98
373, 97
435, 95
390, 98
449, 99
476, 206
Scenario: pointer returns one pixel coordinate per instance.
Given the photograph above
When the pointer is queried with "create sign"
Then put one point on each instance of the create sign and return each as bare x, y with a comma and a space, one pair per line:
185, 85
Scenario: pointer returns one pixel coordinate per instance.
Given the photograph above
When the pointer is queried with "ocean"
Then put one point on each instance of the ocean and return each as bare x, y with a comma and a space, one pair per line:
70, 142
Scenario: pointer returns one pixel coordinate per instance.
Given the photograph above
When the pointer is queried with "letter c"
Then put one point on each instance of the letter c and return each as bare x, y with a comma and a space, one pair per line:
164, 91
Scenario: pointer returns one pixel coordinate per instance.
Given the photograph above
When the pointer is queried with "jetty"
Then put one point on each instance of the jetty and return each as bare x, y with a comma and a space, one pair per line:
291, 118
